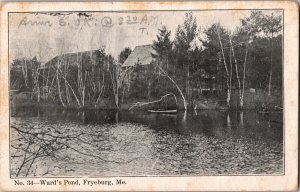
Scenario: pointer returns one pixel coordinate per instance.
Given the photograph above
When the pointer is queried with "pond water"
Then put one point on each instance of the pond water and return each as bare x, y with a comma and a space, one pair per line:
55, 142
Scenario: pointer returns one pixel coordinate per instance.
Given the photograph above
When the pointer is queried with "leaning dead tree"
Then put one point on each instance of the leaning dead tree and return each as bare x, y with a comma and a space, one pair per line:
164, 73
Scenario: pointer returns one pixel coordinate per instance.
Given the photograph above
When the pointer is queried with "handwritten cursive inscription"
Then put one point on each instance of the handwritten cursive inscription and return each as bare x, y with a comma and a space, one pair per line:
89, 21
25, 22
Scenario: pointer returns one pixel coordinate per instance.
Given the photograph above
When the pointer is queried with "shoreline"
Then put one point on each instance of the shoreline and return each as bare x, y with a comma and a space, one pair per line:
126, 107
258, 101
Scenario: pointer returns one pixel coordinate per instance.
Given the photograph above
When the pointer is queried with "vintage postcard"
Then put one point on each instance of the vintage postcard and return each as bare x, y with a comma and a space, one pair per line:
149, 96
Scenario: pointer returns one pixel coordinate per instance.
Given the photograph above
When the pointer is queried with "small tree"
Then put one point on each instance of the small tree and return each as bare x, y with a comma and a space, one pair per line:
25, 74
163, 47
124, 55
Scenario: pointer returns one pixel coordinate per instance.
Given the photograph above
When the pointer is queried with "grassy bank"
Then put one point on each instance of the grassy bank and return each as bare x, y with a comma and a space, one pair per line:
252, 101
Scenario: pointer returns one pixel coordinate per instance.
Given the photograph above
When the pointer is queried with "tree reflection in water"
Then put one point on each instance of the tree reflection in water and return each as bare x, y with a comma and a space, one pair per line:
59, 142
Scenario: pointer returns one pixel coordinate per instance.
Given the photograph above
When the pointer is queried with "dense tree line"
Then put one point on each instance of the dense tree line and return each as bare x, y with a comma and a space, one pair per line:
80, 79
212, 62
228, 62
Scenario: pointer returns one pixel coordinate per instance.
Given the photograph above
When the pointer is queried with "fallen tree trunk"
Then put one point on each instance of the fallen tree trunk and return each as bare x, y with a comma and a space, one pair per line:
140, 104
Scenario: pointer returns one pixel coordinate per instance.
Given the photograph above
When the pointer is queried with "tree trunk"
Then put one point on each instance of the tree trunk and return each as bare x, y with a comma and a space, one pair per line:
116, 82
188, 85
139, 104
59, 92
183, 98
271, 68
230, 75
72, 90
149, 89
83, 88
225, 65
244, 77
25, 74
39, 95
237, 75
35, 74
66, 87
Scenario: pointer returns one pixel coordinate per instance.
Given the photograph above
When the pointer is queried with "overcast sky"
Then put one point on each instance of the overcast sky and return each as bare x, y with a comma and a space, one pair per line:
46, 36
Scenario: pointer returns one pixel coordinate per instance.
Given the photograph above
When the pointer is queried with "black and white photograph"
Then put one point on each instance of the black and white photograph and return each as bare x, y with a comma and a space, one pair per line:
146, 93
149, 96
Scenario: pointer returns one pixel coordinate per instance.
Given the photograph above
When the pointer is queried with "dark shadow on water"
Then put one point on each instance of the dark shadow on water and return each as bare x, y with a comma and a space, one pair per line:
211, 123
137, 142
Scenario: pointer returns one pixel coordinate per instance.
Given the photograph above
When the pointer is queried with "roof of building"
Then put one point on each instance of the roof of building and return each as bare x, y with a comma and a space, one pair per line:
141, 55
70, 58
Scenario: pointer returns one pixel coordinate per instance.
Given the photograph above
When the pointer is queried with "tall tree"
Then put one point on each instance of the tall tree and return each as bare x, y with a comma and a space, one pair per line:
163, 47
185, 35
271, 26
217, 50
256, 30
228, 73
163, 52
240, 40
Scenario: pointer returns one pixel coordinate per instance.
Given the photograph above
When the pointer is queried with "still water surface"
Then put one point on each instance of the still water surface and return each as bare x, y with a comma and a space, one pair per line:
56, 142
